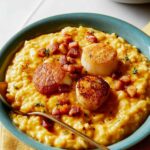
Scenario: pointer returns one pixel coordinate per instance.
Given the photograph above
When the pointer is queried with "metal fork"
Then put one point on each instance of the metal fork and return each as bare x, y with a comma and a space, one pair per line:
66, 126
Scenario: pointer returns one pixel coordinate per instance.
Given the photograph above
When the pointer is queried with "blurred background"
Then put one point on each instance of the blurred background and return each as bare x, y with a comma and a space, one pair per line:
15, 14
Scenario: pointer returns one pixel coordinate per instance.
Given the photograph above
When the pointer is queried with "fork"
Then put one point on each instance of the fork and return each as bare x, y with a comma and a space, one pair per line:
66, 126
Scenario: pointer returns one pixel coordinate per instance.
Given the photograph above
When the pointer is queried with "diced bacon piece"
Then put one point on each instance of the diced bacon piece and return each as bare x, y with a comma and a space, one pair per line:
77, 69
116, 75
71, 60
54, 48
73, 52
68, 68
56, 111
90, 32
118, 85
73, 49
126, 79
66, 60
131, 90
63, 60
67, 38
73, 45
48, 124
64, 109
91, 38
75, 110
75, 76
63, 101
41, 52
64, 88
63, 47
73, 68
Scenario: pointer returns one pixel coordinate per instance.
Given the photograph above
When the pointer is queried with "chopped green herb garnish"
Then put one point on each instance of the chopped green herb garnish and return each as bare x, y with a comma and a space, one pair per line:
134, 71
126, 58
65, 132
16, 87
84, 128
47, 52
85, 72
39, 105
90, 56
57, 104
86, 115
90, 32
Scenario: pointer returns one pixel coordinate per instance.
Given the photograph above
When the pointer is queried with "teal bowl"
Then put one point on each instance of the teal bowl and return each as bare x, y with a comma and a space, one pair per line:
56, 23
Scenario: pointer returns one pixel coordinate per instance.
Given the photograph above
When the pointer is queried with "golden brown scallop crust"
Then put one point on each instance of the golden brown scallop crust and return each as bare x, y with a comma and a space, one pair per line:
48, 77
100, 53
99, 59
92, 91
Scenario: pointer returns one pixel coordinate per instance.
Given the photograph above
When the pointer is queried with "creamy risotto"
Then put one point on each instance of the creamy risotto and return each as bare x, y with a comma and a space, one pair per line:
94, 81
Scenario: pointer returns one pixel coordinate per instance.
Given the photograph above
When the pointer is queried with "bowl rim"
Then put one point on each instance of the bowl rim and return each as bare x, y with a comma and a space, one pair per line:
129, 141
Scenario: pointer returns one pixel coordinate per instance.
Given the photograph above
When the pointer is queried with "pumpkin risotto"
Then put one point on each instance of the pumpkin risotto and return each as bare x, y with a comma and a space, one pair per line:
94, 81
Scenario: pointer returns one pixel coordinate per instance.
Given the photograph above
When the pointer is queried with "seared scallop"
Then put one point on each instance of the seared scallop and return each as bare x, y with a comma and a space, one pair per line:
50, 78
91, 92
99, 59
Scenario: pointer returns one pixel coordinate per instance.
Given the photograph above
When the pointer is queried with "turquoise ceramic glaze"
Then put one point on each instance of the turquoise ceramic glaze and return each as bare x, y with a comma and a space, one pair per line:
56, 23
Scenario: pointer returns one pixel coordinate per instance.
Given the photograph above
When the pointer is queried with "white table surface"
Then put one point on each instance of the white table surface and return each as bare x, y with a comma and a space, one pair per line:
14, 14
